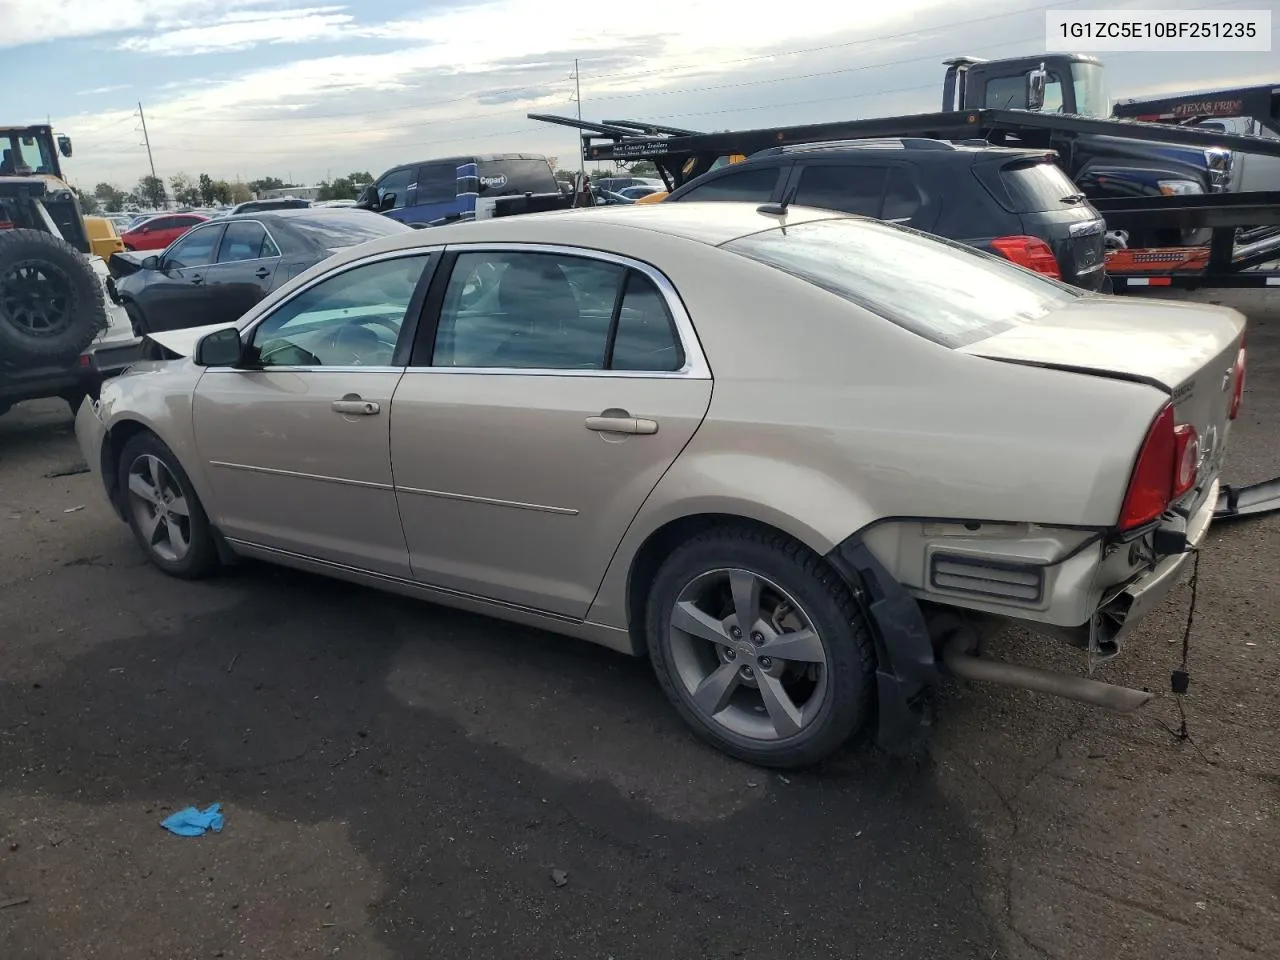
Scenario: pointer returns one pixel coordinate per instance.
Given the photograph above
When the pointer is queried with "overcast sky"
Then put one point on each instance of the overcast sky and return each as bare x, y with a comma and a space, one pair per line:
303, 90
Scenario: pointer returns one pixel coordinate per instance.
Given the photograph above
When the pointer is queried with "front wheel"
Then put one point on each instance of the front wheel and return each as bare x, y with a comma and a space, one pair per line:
164, 512
761, 647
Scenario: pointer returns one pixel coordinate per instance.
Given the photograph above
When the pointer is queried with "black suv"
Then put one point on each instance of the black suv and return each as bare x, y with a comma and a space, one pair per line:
1014, 203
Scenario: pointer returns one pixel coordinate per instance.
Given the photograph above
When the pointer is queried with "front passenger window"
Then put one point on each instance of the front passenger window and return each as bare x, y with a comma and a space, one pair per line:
195, 249
352, 319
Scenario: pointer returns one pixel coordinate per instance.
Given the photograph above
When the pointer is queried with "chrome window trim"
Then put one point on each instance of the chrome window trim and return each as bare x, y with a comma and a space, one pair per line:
265, 229
695, 366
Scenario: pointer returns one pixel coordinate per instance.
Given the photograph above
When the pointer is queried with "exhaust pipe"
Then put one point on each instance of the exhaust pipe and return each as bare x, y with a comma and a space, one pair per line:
961, 662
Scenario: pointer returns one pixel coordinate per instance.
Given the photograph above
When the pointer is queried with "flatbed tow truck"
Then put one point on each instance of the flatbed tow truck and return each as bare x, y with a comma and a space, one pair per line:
680, 155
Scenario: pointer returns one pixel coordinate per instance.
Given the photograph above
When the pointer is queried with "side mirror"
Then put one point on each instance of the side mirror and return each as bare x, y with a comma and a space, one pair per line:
64, 145
1036, 81
222, 348
388, 202
150, 263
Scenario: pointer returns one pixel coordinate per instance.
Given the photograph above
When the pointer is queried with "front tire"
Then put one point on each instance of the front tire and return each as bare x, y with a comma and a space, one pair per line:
164, 512
761, 647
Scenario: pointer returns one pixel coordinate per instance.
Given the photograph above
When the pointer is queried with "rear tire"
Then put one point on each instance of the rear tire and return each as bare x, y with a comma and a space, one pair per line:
137, 319
163, 510
784, 691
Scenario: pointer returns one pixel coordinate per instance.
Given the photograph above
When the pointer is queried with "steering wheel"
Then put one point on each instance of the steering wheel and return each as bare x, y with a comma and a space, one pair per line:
271, 352
353, 344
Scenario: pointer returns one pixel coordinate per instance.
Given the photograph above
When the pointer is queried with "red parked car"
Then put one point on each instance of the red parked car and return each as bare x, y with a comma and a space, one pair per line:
160, 231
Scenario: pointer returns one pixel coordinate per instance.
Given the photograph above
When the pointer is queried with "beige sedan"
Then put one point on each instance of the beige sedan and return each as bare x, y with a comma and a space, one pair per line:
762, 447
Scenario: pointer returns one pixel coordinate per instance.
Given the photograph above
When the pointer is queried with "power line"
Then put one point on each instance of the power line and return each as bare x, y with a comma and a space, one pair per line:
401, 127
688, 66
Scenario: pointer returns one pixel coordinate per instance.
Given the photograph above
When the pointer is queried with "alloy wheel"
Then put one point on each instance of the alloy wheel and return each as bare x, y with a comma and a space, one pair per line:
747, 656
160, 508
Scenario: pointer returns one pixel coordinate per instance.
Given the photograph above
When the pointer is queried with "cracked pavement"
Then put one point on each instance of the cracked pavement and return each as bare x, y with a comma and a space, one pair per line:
400, 780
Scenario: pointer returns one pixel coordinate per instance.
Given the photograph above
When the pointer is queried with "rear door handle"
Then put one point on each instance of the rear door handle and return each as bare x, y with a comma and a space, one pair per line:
354, 406
622, 424
262, 273
197, 280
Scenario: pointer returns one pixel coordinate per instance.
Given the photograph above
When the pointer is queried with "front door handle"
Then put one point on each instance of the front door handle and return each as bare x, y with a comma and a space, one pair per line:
622, 422
262, 273
354, 406
197, 280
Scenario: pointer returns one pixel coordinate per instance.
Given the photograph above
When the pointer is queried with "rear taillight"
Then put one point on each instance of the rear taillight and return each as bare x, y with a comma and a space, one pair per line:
1186, 454
1030, 252
1151, 485
1237, 392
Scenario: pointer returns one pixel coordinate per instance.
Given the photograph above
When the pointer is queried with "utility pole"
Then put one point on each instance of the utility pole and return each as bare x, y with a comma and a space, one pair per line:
147, 141
577, 95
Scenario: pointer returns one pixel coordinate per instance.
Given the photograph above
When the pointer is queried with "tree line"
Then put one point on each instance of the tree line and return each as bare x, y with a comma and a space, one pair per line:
152, 193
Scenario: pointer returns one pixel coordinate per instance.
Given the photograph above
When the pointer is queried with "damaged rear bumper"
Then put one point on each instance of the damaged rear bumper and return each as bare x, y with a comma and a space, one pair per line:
1248, 501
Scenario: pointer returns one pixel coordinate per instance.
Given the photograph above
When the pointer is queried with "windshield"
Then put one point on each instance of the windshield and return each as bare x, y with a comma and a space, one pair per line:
944, 291
1091, 91
24, 153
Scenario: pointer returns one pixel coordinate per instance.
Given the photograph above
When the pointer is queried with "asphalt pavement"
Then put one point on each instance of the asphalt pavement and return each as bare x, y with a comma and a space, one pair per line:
404, 781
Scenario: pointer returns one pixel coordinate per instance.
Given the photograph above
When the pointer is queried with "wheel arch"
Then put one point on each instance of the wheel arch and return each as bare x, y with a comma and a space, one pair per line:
665, 538
113, 444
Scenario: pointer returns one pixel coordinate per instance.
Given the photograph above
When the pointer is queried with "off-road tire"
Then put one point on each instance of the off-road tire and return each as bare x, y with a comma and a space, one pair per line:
51, 302
829, 604
201, 559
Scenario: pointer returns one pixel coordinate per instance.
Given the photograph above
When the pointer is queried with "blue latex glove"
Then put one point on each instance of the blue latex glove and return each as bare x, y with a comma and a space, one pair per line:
192, 822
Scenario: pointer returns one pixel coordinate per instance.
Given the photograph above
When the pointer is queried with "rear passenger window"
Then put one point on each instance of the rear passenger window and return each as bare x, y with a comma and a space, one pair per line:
902, 199
852, 188
748, 186
437, 183
243, 240
545, 311
646, 335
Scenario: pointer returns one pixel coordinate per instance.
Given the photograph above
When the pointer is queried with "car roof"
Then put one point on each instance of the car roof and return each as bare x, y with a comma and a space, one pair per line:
469, 158
916, 149
607, 228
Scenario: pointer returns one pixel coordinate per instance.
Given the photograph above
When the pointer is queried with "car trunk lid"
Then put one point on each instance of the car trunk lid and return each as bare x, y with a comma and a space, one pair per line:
1186, 350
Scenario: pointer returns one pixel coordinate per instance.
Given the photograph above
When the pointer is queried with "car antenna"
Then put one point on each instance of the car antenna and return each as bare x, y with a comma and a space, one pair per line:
778, 209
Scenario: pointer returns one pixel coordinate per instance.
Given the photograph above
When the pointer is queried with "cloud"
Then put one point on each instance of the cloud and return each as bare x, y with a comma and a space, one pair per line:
462, 79
98, 90
26, 21
241, 31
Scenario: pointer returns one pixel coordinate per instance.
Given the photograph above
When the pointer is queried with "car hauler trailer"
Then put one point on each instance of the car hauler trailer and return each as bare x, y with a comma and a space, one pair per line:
681, 155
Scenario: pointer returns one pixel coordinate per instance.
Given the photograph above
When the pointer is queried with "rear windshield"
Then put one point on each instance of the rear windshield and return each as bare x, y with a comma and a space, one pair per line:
946, 292
507, 178
345, 228
1037, 187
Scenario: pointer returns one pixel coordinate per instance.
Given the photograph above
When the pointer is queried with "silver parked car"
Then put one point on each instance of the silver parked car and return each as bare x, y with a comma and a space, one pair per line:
767, 448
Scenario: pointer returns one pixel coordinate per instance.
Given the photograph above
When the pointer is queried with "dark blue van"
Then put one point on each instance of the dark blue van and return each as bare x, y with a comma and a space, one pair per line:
447, 189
